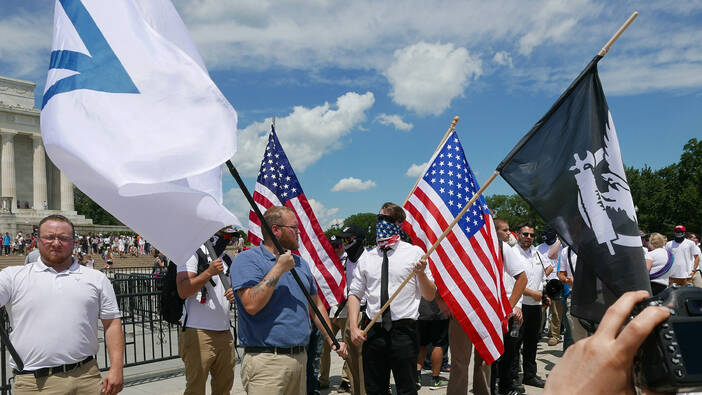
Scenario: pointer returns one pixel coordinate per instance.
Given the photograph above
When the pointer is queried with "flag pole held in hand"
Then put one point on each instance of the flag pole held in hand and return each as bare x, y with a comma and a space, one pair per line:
267, 229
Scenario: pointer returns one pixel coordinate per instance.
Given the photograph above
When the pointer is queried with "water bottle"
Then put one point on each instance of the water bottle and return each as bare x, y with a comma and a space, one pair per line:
514, 327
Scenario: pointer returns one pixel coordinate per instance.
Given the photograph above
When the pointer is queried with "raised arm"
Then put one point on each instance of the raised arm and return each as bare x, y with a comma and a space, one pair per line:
255, 298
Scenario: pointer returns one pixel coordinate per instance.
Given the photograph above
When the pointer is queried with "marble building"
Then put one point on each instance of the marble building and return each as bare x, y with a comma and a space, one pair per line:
31, 187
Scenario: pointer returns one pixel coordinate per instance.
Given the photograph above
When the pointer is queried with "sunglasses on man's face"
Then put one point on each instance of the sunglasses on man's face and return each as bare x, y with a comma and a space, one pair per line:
387, 218
527, 234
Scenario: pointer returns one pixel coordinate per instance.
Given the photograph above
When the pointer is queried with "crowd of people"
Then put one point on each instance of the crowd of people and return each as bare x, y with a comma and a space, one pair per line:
286, 346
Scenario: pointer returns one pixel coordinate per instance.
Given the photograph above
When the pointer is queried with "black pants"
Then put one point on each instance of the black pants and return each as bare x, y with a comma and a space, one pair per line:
504, 374
530, 338
394, 351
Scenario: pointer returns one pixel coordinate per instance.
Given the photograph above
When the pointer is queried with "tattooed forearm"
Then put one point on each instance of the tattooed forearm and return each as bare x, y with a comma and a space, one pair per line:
271, 282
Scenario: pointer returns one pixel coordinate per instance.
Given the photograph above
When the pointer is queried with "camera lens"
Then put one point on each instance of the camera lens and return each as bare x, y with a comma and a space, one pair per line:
694, 306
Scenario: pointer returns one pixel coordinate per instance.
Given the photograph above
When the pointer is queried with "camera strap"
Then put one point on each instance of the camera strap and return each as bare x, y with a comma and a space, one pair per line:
570, 263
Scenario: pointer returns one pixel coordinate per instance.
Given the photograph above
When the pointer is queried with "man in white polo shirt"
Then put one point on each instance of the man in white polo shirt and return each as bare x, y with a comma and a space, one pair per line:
537, 268
206, 344
54, 305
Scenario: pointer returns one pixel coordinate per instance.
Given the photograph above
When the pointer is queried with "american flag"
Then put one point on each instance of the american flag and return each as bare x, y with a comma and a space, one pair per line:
467, 265
277, 185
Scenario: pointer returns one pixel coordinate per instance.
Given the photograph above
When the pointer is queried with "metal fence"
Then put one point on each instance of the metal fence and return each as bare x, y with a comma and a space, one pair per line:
147, 338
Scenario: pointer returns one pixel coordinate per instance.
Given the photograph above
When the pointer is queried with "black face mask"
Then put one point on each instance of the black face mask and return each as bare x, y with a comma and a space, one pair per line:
679, 239
354, 250
219, 244
549, 238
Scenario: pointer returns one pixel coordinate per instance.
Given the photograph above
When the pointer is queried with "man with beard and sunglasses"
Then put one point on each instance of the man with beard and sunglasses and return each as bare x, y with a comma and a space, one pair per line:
391, 343
537, 268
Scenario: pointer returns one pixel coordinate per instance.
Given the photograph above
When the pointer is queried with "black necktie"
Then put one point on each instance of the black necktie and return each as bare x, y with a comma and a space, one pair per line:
387, 319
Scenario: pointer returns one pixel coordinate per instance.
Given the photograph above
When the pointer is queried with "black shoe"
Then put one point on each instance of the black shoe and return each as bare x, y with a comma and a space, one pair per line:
345, 386
418, 382
535, 381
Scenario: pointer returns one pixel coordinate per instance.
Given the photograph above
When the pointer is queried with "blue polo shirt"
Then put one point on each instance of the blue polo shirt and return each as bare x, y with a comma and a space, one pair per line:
284, 321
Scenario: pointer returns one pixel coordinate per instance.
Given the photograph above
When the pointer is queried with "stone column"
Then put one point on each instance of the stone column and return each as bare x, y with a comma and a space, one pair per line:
66, 193
39, 176
8, 167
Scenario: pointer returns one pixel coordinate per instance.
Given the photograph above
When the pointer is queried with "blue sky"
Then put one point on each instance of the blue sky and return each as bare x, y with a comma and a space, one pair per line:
363, 91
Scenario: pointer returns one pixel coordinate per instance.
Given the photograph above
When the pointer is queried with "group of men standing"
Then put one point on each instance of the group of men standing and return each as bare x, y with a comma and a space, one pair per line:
54, 298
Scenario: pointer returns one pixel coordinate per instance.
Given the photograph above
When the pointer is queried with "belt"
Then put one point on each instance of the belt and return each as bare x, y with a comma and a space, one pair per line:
395, 323
275, 350
43, 372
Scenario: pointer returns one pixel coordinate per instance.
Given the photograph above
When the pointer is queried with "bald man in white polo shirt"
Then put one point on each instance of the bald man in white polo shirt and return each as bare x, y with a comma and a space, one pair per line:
54, 305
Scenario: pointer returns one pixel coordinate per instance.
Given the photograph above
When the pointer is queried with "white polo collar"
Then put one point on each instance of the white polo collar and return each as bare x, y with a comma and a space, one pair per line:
75, 267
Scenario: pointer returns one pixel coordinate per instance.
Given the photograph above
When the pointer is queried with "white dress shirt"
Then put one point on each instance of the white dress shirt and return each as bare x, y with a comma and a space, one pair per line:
366, 280
536, 264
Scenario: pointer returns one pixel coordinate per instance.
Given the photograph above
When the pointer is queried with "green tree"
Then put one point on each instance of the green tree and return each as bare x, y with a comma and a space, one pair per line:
87, 207
365, 221
514, 210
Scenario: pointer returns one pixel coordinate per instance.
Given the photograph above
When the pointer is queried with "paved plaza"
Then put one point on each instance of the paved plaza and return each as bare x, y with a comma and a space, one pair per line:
546, 358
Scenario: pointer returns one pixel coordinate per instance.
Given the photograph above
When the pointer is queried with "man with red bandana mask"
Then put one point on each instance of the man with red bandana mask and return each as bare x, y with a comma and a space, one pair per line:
391, 343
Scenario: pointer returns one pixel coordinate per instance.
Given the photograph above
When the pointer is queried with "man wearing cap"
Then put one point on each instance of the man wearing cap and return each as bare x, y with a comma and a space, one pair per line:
206, 344
555, 309
274, 321
391, 343
686, 258
54, 306
350, 244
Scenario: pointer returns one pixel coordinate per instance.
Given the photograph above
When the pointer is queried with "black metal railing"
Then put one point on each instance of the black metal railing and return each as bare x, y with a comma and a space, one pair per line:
147, 338
5, 385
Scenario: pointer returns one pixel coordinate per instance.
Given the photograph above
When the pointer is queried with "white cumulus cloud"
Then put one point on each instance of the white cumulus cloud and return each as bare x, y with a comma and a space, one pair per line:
503, 58
352, 184
306, 134
235, 201
425, 77
394, 120
416, 170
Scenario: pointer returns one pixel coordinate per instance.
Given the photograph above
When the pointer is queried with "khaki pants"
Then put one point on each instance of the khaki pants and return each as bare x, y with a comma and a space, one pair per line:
697, 279
207, 352
556, 314
353, 369
81, 380
461, 348
279, 374
337, 324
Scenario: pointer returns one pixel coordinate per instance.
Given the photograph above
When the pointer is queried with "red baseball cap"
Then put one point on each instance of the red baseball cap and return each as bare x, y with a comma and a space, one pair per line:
680, 228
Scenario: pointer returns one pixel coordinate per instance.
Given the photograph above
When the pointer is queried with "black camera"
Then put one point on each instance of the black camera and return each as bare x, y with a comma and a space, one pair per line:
670, 359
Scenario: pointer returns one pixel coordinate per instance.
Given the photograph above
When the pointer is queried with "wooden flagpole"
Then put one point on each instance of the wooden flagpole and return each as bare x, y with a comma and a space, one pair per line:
433, 247
616, 35
450, 129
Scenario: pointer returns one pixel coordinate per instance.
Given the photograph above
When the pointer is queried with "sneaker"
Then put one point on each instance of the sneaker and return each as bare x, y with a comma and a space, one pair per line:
345, 386
438, 383
552, 341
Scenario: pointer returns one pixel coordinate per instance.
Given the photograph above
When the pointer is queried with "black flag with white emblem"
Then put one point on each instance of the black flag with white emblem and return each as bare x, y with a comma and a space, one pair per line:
569, 168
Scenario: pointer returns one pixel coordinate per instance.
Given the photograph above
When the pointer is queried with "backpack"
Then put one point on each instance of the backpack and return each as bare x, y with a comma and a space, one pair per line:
171, 303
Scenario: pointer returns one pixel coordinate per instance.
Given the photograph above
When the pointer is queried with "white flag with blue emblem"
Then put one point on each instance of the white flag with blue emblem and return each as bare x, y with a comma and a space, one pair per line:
132, 118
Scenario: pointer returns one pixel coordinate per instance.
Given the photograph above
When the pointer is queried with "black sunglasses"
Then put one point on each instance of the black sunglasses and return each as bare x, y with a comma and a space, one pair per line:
387, 218
527, 234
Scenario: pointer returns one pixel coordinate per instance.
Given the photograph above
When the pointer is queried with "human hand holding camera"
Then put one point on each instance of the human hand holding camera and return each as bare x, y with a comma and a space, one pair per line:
604, 360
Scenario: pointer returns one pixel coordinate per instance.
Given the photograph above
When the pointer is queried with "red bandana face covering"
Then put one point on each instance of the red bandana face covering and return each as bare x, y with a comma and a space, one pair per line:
388, 234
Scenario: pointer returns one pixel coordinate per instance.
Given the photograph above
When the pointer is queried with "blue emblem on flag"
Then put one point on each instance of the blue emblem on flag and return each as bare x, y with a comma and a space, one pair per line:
100, 71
